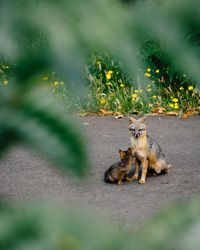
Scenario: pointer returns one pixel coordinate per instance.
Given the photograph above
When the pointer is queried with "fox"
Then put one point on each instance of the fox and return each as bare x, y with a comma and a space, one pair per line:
117, 172
146, 151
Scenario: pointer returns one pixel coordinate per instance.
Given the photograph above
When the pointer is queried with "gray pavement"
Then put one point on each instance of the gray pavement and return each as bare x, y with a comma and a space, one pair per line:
25, 175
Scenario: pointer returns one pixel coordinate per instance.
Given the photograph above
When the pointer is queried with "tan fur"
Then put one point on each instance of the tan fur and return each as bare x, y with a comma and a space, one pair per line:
145, 152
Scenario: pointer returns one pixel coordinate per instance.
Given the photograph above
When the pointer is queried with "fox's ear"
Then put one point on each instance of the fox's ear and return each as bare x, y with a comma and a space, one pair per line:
143, 119
131, 119
121, 154
129, 151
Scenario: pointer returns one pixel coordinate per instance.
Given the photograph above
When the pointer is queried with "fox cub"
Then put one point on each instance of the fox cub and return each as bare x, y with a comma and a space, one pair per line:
146, 151
118, 171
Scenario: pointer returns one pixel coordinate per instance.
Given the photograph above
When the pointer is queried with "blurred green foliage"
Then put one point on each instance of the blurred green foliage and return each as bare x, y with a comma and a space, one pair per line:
40, 36
158, 30
157, 34
44, 227
27, 112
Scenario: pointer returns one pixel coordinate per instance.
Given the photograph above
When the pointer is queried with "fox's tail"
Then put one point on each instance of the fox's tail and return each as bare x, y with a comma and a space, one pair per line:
168, 166
108, 178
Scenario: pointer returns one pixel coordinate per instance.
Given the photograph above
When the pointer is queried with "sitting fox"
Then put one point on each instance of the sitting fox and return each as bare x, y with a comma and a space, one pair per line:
117, 172
146, 151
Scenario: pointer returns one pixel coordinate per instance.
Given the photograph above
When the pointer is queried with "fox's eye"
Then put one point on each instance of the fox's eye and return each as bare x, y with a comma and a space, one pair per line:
132, 129
141, 129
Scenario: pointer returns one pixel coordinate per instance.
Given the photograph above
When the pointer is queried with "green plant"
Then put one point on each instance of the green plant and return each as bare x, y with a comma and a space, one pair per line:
112, 90
44, 227
27, 112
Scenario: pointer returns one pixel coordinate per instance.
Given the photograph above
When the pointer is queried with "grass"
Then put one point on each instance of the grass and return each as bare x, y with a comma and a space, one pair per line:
112, 89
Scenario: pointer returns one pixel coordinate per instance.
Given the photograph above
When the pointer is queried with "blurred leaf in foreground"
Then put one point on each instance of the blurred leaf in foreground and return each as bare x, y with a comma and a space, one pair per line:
37, 119
177, 227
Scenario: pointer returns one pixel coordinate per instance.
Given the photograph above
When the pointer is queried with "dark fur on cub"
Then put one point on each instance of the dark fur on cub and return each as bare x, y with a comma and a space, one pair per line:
117, 172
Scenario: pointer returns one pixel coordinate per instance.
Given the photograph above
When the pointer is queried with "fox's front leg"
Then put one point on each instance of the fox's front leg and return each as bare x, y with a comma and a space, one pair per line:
144, 171
136, 174
137, 169
120, 178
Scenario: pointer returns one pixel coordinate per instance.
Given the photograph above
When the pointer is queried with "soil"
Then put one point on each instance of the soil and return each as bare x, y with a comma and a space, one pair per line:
27, 176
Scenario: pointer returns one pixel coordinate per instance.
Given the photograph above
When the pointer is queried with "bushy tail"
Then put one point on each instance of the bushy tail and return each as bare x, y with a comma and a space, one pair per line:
168, 166
108, 178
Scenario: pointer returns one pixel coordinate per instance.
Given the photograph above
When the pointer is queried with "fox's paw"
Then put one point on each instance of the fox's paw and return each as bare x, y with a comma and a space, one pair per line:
142, 181
120, 183
158, 170
135, 176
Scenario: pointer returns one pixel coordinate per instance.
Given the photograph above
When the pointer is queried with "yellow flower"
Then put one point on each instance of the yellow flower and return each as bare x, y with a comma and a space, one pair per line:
5, 82
149, 90
176, 106
122, 85
190, 87
147, 74
174, 100
181, 88
171, 105
154, 96
134, 96
109, 74
149, 85
61, 83
157, 71
55, 82
136, 91
140, 90
103, 101
45, 78
148, 70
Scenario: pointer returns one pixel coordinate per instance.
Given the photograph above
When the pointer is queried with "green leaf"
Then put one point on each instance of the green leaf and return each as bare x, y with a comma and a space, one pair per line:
176, 227
53, 228
50, 227
49, 131
7, 138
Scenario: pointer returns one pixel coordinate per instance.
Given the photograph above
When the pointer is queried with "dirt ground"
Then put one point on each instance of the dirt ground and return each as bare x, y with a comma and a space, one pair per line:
25, 175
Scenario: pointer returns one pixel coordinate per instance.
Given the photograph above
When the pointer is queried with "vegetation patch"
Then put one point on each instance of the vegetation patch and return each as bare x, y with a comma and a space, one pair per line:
111, 90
